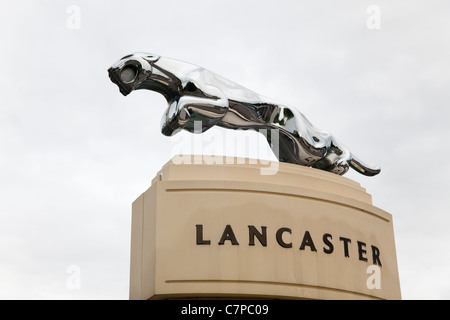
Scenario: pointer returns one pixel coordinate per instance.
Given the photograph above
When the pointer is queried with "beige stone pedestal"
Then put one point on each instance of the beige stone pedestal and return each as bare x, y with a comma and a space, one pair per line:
251, 230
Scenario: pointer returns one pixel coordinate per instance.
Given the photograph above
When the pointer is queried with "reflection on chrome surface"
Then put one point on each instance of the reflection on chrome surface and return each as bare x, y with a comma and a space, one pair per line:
195, 94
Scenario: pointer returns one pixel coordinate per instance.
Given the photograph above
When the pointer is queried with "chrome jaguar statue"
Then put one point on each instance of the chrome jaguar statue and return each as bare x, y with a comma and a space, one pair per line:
196, 95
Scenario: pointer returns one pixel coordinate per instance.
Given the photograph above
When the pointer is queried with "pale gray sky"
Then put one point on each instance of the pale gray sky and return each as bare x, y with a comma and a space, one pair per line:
75, 153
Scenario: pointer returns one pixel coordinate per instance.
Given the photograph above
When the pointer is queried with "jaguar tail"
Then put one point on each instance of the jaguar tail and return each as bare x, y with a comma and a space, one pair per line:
362, 168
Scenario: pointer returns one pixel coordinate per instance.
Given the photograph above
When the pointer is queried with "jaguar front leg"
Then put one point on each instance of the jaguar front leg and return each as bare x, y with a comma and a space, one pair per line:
187, 111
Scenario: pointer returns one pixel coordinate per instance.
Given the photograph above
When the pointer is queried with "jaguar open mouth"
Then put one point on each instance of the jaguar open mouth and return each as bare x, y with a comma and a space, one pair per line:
124, 88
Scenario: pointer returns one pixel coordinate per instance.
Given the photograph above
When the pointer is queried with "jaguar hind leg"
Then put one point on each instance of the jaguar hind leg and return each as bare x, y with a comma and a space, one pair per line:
336, 161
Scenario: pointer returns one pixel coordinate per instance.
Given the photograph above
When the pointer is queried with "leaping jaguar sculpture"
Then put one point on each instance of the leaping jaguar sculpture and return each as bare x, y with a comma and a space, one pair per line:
196, 95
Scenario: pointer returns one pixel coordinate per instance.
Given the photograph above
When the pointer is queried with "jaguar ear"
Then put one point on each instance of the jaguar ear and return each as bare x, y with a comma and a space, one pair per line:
151, 57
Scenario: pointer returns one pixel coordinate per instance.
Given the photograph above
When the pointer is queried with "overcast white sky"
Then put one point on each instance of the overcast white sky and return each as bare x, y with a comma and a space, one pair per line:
75, 153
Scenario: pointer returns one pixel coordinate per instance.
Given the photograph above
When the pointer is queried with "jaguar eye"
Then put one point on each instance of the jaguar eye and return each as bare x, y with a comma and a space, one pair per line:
128, 74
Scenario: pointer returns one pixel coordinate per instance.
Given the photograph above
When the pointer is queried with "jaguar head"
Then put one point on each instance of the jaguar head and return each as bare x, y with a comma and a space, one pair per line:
130, 71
